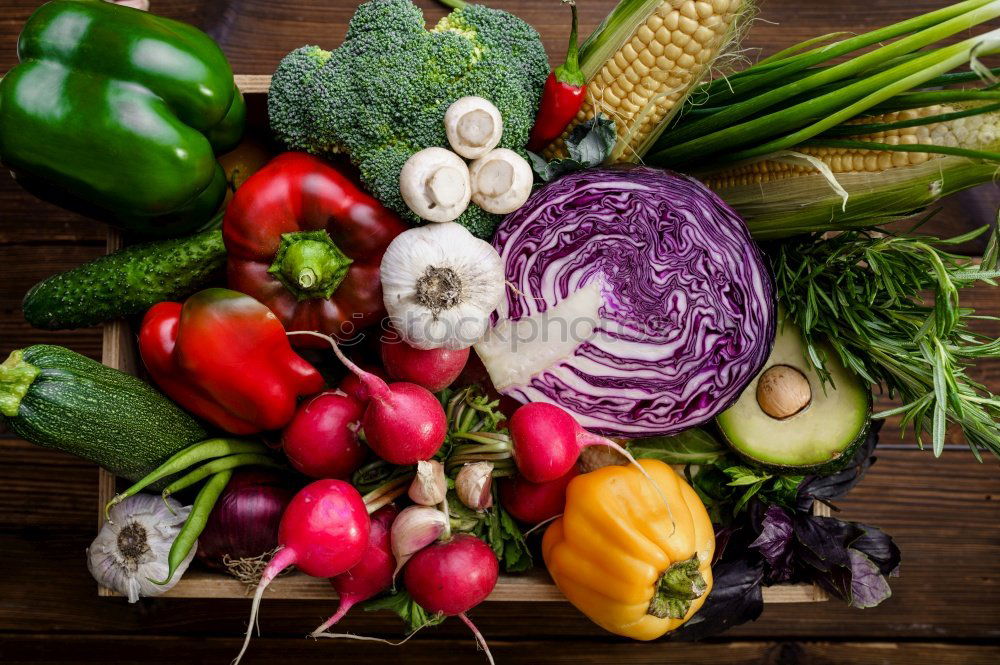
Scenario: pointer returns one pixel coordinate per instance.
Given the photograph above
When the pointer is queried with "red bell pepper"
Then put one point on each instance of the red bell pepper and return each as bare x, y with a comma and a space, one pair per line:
562, 97
224, 357
303, 239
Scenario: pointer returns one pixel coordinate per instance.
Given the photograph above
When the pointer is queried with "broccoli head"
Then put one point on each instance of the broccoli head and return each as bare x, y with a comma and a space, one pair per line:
382, 95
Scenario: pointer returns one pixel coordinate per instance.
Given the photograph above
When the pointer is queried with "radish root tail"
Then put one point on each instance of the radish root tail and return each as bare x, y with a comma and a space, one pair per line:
614, 446
345, 605
480, 640
283, 558
541, 524
254, 610
365, 638
375, 385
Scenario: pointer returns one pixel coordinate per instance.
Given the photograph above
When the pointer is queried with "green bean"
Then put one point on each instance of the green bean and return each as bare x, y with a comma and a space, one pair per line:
217, 465
195, 523
180, 461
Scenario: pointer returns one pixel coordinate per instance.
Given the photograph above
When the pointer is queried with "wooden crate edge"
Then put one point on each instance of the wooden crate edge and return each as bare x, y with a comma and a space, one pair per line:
253, 83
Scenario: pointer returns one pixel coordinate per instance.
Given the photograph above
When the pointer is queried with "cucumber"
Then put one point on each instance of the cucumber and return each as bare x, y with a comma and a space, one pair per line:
57, 398
125, 282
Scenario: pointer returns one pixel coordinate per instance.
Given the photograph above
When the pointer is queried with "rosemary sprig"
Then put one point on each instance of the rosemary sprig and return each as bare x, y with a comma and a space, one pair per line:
862, 293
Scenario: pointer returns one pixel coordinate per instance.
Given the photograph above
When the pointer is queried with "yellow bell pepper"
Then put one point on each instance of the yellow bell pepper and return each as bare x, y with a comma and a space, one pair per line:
631, 564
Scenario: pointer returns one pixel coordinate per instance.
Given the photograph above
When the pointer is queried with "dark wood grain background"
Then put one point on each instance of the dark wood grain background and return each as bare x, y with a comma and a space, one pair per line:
943, 512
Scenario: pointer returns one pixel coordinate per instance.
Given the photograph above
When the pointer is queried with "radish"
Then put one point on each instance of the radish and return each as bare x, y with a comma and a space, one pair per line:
351, 385
434, 369
324, 532
546, 441
372, 575
533, 503
453, 576
403, 422
321, 441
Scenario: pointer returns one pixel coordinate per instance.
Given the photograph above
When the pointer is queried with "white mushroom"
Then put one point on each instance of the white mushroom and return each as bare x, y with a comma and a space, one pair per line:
474, 126
435, 184
501, 181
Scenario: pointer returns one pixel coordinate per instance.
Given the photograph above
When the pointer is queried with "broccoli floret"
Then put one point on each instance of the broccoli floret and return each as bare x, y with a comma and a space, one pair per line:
294, 74
382, 95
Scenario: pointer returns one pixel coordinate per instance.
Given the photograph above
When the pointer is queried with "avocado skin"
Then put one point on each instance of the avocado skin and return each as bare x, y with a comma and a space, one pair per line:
822, 469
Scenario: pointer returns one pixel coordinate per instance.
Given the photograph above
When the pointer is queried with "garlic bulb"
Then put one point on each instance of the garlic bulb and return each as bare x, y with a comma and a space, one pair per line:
440, 284
132, 548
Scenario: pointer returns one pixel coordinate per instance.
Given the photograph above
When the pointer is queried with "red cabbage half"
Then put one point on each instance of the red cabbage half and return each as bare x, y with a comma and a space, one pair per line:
637, 301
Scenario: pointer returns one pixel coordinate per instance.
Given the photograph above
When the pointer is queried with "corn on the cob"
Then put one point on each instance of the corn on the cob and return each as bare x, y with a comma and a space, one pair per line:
643, 60
780, 197
977, 131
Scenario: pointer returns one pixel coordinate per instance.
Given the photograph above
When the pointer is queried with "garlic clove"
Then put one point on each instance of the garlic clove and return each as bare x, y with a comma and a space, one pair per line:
429, 486
414, 528
501, 181
474, 484
435, 184
473, 125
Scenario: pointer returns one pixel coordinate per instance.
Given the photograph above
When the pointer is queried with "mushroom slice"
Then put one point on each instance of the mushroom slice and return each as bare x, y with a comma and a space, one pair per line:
474, 126
501, 181
435, 184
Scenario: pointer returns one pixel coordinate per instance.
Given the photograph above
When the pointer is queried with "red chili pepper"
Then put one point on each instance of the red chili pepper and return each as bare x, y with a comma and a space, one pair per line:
565, 89
303, 239
224, 357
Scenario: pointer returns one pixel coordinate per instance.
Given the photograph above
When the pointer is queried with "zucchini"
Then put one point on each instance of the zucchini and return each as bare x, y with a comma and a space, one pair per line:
125, 282
57, 398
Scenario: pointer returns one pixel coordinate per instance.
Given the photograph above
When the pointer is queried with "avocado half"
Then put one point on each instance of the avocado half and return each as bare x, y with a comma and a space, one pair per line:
787, 421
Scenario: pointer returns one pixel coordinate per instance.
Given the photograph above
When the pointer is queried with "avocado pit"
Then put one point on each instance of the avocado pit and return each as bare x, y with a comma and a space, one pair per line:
783, 391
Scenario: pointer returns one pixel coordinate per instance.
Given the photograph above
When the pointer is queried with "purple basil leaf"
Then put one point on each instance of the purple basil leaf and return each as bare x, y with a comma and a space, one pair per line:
775, 543
878, 546
826, 488
723, 534
868, 586
735, 598
821, 542
836, 580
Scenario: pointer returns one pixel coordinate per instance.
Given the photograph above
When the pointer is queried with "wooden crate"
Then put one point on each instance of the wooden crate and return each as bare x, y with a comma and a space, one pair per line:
119, 351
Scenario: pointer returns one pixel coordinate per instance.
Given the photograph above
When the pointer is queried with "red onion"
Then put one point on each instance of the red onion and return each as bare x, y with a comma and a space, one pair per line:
244, 523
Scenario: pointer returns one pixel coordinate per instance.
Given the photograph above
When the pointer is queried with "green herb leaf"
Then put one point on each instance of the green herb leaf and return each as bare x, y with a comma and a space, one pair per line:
742, 475
400, 602
496, 528
693, 446
749, 494
863, 295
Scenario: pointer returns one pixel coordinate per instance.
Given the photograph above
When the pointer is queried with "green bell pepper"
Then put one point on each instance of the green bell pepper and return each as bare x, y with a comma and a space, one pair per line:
118, 114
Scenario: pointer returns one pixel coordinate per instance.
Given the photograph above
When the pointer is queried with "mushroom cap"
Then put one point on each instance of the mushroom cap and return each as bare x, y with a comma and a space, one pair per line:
501, 181
473, 125
435, 184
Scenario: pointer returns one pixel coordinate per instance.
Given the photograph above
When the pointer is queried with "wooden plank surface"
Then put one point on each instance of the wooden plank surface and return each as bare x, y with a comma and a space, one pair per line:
944, 513
42, 648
